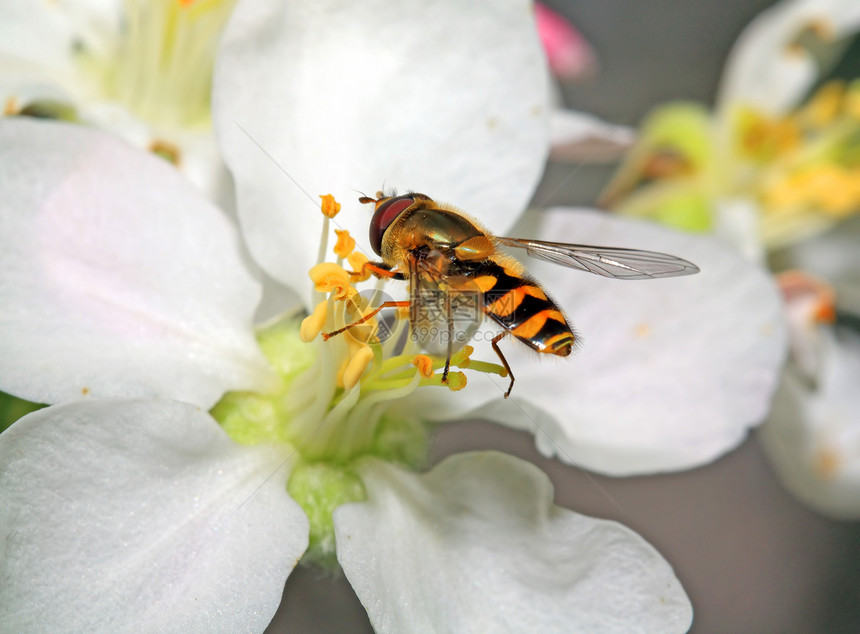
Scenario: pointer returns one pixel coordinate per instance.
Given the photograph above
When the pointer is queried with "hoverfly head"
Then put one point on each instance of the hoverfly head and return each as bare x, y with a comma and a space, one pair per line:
387, 210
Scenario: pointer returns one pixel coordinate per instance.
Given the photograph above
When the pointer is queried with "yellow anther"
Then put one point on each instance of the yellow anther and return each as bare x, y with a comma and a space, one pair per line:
456, 381
356, 366
817, 29
357, 261
424, 365
313, 323
329, 277
826, 463
832, 189
166, 150
329, 206
825, 105
11, 107
345, 243
763, 138
461, 357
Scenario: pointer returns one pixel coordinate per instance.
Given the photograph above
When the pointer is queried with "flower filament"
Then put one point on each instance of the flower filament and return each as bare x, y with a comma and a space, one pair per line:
160, 66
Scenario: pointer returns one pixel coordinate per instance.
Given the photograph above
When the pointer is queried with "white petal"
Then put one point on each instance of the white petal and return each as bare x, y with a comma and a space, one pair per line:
447, 98
476, 545
765, 70
116, 277
670, 373
813, 434
580, 137
141, 516
737, 224
198, 156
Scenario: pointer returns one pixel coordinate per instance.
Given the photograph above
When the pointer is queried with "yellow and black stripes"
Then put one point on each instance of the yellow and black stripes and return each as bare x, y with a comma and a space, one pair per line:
519, 305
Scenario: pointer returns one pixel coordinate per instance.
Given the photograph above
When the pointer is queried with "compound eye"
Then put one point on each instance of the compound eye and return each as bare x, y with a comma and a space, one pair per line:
385, 214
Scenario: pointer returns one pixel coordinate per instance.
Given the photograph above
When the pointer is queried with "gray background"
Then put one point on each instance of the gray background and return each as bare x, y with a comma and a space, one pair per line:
750, 557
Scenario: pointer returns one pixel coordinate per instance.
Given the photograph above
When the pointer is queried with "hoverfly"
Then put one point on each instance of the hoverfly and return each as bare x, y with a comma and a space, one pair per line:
443, 253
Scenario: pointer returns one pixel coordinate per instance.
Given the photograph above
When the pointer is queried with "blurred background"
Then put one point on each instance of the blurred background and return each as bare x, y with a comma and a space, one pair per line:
751, 558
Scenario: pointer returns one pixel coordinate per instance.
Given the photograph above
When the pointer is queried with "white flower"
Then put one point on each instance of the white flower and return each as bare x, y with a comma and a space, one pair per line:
126, 505
131, 312
813, 434
140, 68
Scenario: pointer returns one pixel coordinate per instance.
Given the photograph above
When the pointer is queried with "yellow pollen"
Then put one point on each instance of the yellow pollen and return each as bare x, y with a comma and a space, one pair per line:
345, 243
329, 277
825, 105
313, 323
357, 261
11, 106
763, 138
823, 29
356, 366
826, 463
166, 150
330, 207
461, 358
820, 29
424, 365
830, 188
456, 381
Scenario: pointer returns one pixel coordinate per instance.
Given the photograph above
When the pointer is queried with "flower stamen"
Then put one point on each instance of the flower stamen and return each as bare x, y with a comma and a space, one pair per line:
345, 243
313, 323
161, 67
424, 365
329, 206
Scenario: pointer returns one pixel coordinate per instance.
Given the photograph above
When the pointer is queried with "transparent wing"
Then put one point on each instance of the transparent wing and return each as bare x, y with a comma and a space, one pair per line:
622, 264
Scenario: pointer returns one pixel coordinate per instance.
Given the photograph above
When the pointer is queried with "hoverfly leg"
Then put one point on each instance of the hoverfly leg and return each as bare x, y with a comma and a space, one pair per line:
377, 269
450, 318
391, 304
495, 344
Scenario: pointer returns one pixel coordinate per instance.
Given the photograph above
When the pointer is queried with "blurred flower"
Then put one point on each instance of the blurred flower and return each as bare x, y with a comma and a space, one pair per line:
766, 168
139, 68
813, 435
569, 55
576, 137
767, 171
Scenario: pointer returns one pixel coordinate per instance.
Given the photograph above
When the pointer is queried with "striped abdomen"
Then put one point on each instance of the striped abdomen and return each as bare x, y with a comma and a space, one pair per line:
520, 306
